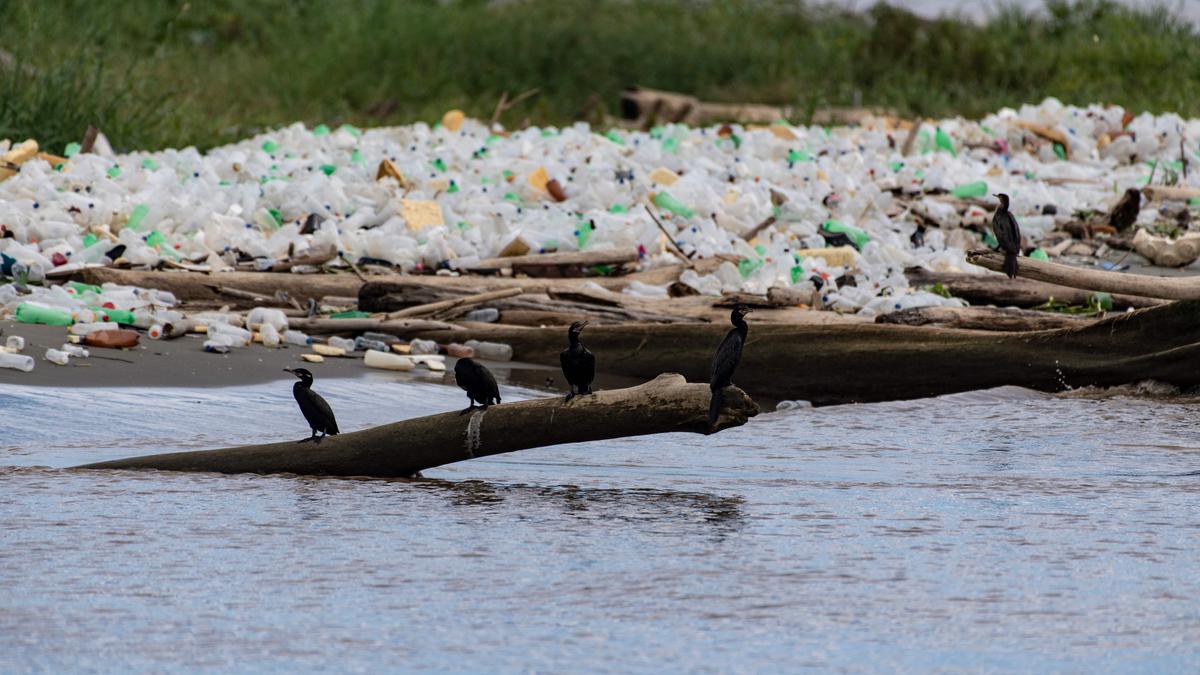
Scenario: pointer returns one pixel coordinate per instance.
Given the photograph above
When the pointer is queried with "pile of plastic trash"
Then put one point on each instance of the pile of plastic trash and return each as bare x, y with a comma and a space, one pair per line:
444, 196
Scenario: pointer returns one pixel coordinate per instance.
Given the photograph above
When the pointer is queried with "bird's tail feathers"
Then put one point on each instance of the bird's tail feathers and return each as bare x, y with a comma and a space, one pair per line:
714, 408
1010, 265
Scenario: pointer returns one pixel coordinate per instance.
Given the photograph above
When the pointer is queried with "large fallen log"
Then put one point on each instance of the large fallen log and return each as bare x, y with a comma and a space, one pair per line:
983, 318
1143, 285
666, 404
862, 362
197, 286
997, 289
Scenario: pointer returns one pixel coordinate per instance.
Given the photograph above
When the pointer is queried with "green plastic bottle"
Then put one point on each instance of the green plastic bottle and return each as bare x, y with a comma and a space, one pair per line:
943, 141
857, 237
124, 316
665, 201
970, 190
28, 312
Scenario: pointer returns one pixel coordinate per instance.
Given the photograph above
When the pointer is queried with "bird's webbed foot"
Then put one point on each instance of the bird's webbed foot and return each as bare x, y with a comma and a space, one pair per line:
467, 409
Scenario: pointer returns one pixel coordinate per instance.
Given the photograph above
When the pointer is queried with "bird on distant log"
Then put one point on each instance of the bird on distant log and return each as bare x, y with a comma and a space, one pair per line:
1125, 213
1008, 235
473, 378
316, 410
578, 364
725, 361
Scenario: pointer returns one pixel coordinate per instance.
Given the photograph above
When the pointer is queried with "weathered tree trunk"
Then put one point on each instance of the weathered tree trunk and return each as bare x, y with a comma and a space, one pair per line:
983, 318
198, 286
1143, 285
666, 404
840, 363
981, 289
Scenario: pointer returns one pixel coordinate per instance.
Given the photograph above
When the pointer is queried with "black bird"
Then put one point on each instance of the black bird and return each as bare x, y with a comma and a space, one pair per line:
1126, 210
1008, 234
478, 382
315, 409
725, 361
578, 364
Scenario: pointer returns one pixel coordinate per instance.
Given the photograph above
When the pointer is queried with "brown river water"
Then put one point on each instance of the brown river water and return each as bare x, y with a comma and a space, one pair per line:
997, 531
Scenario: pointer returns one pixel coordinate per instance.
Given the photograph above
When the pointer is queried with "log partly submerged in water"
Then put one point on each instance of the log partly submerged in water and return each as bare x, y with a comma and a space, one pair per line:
857, 363
666, 404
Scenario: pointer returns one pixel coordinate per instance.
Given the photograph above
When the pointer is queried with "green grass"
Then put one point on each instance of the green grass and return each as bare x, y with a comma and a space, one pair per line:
158, 73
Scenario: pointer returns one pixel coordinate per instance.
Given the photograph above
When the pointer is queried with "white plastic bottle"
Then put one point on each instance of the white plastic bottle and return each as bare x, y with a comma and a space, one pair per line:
491, 351
16, 362
55, 356
295, 337
270, 336
387, 361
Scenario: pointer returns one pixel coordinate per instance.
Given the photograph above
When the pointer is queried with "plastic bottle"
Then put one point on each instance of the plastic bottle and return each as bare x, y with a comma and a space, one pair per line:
341, 343
385, 338
270, 336
155, 332
88, 328
423, 347
267, 315
387, 361
15, 343
238, 337
56, 356
460, 351
219, 344
491, 351
16, 362
31, 312
295, 337
363, 344
485, 315
74, 350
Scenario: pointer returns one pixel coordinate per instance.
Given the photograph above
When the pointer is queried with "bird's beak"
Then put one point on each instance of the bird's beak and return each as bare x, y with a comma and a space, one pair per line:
289, 370
584, 325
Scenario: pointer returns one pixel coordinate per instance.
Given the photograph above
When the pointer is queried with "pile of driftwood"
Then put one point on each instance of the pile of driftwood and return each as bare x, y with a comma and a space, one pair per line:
792, 352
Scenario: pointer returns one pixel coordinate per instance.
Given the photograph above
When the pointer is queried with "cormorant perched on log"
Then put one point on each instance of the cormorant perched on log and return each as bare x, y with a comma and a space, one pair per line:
725, 361
315, 409
1008, 235
578, 364
478, 382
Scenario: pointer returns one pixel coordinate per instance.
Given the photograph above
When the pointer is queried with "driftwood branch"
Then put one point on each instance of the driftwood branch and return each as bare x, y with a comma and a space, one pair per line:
670, 239
1170, 288
454, 303
666, 404
581, 258
400, 327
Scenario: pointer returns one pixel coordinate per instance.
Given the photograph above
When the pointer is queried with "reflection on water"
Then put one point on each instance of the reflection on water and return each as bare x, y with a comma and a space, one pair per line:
999, 530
